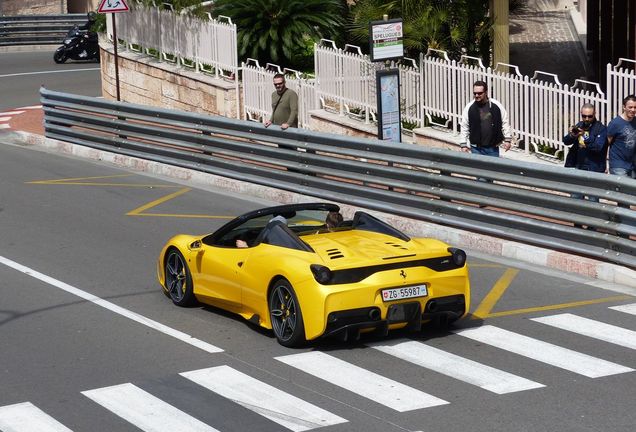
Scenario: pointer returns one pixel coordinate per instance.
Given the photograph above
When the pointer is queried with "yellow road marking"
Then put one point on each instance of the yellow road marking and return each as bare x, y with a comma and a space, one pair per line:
180, 215
558, 306
139, 210
81, 181
133, 185
78, 179
495, 293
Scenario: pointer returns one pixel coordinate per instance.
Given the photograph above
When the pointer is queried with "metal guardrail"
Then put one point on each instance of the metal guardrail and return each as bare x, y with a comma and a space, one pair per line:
488, 195
37, 29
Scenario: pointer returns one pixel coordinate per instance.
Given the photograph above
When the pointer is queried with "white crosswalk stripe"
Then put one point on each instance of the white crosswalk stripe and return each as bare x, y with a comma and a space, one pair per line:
144, 410
628, 308
361, 381
10, 113
287, 410
4, 126
26, 417
454, 366
588, 327
544, 352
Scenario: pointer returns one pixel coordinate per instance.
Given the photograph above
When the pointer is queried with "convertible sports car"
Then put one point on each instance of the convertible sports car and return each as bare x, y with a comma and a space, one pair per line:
291, 269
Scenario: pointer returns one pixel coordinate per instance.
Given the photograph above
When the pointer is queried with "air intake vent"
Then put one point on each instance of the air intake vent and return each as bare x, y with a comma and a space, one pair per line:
396, 245
334, 253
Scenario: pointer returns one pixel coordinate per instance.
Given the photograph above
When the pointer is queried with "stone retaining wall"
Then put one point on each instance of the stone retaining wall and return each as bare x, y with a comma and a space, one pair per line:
32, 7
147, 81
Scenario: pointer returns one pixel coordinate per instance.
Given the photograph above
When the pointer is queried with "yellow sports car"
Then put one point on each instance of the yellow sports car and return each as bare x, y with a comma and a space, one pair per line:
304, 272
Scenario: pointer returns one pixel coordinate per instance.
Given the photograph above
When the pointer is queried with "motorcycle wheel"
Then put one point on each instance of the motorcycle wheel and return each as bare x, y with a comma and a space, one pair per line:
59, 57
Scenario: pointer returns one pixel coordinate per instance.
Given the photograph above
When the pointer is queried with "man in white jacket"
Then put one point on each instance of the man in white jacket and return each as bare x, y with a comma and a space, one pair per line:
484, 124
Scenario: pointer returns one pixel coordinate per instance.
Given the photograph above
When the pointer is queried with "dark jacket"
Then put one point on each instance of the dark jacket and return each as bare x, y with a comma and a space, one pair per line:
593, 156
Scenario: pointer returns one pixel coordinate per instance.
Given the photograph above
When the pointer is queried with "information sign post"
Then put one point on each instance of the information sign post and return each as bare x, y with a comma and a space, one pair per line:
385, 40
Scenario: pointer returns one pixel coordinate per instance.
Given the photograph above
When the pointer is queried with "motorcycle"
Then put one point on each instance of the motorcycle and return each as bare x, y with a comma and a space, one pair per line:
78, 45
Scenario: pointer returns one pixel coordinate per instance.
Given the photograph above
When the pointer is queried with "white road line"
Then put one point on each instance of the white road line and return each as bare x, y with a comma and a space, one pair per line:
628, 308
5, 119
454, 366
4, 126
361, 381
32, 107
48, 72
594, 329
11, 113
144, 410
280, 407
544, 352
26, 417
112, 307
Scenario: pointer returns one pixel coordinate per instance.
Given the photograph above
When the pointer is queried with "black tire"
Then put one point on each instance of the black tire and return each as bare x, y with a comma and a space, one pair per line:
59, 57
285, 315
178, 279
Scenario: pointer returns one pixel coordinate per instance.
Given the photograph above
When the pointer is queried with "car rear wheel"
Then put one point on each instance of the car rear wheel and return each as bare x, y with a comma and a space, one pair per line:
285, 314
178, 279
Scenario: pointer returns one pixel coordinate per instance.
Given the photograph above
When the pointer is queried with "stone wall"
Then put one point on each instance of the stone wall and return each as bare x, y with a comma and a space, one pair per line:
32, 7
148, 81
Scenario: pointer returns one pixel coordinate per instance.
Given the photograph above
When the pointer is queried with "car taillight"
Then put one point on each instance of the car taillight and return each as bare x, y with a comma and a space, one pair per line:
321, 273
458, 256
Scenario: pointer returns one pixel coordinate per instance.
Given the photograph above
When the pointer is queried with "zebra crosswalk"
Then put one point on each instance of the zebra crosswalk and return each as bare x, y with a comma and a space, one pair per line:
284, 406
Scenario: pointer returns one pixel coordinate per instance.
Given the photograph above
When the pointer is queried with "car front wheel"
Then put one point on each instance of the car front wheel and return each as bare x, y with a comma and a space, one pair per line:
179, 280
285, 314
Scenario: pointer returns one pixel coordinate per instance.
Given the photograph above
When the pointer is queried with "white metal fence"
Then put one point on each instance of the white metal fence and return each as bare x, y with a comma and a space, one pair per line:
258, 89
433, 90
209, 45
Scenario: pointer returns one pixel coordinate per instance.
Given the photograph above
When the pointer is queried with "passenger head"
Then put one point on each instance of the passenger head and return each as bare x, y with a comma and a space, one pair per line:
334, 219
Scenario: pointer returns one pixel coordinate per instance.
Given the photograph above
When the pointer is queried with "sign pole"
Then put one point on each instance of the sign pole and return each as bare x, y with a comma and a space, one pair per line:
115, 52
112, 6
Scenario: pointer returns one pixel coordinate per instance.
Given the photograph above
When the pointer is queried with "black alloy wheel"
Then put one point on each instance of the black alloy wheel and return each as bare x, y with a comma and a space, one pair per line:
285, 315
178, 280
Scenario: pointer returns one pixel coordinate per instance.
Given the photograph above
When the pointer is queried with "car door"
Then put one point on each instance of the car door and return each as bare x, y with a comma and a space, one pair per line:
218, 275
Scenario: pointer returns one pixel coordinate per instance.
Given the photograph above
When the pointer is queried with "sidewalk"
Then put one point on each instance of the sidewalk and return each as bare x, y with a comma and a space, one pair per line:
543, 38
26, 119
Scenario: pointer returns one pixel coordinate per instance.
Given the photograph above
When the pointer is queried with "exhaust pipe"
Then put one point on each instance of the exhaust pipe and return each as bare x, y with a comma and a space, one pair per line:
374, 314
432, 306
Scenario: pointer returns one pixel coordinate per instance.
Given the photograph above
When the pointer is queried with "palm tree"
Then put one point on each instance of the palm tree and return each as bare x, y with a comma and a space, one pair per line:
281, 31
456, 26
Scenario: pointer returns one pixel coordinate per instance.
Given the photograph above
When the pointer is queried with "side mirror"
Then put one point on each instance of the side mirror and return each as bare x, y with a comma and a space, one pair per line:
195, 245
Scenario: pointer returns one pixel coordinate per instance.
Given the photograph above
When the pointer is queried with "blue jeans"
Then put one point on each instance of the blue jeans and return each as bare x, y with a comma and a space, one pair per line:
486, 151
622, 172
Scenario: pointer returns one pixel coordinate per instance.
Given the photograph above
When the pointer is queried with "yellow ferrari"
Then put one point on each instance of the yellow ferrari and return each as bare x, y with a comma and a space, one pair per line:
304, 272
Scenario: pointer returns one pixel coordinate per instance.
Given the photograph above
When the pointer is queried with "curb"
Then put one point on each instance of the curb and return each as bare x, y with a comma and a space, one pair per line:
509, 250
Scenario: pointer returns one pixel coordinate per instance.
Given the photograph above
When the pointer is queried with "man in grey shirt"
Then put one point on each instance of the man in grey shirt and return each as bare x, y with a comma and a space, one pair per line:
284, 105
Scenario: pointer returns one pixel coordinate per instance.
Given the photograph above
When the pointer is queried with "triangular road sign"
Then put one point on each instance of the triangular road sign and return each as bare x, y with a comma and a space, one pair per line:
108, 6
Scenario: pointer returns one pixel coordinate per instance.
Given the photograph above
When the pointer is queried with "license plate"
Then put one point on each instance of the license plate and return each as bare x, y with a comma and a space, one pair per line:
404, 293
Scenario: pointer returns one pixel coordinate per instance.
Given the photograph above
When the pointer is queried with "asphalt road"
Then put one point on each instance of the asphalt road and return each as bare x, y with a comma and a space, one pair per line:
23, 72
88, 342
72, 356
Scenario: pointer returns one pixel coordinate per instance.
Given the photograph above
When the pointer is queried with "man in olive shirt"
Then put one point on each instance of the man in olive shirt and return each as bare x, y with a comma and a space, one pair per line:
284, 105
